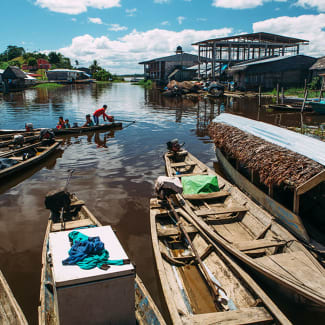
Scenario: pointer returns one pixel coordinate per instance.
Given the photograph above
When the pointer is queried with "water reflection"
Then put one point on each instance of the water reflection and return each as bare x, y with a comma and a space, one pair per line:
114, 171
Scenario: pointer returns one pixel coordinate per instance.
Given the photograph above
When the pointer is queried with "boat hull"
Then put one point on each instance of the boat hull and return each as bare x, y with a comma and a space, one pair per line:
318, 107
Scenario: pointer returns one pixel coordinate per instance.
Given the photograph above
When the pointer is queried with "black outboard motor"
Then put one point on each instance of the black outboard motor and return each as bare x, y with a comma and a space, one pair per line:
58, 201
174, 145
47, 136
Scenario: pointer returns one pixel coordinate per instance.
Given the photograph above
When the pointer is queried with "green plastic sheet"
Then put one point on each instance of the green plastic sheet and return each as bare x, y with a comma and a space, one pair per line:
200, 184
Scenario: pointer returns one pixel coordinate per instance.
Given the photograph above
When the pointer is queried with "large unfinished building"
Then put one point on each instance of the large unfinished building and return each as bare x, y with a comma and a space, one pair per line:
227, 51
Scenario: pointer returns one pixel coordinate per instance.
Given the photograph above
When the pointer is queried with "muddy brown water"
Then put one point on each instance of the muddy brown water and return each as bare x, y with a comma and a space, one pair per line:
114, 171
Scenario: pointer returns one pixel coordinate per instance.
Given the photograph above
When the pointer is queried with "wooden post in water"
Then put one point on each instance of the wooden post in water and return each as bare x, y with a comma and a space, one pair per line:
305, 99
282, 95
277, 93
259, 95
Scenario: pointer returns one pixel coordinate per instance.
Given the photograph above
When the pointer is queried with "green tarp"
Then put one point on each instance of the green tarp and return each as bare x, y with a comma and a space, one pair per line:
200, 184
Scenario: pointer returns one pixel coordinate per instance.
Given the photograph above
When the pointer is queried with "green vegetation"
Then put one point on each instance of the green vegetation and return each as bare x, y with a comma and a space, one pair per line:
145, 83
295, 92
49, 85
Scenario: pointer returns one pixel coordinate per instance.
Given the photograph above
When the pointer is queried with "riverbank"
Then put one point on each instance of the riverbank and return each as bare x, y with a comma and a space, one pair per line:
49, 85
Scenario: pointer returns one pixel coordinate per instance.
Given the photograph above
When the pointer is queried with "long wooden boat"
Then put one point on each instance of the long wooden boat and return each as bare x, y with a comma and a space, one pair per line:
318, 107
251, 234
19, 157
7, 141
10, 311
83, 129
80, 129
146, 311
187, 291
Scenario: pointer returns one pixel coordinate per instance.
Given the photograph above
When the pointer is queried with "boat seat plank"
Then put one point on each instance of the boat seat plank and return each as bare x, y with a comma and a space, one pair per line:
259, 243
72, 224
251, 315
205, 196
166, 232
192, 174
78, 203
18, 158
295, 265
182, 164
232, 209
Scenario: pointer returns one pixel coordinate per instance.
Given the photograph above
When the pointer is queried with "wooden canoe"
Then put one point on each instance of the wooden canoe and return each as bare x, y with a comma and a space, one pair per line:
7, 142
41, 149
10, 311
146, 311
78, 130
251, 234
186, 289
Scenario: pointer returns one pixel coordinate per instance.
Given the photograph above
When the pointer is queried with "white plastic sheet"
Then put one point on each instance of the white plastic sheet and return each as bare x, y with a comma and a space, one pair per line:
302, 144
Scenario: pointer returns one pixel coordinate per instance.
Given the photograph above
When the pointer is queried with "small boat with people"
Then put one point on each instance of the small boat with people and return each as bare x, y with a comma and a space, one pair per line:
15, 160
85, 129
200, 282
10, 311
246, 230
95, 289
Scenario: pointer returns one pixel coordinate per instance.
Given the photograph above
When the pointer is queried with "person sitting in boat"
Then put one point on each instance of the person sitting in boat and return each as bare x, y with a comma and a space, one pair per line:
60, 124
67, 124
101, 111
89, 122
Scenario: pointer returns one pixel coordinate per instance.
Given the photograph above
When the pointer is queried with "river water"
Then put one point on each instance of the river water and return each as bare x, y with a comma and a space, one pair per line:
114, 171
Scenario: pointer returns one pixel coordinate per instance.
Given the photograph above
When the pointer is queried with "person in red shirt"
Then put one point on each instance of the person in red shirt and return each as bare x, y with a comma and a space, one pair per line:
101, 111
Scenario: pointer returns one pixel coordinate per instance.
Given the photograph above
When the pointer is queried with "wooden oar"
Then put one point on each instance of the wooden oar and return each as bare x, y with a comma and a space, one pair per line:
124, 121
214, 292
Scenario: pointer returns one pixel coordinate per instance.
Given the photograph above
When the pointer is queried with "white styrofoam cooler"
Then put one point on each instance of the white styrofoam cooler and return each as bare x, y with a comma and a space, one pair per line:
93, 296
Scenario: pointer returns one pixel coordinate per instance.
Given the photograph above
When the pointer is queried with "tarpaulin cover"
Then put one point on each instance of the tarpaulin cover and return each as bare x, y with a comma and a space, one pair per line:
200, 184
307, 146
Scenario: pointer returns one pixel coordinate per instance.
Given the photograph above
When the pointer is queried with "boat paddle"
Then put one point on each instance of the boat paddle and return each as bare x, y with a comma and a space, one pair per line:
124, 121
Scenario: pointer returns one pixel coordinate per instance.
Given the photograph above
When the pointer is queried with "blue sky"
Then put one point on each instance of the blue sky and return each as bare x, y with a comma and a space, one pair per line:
120, 33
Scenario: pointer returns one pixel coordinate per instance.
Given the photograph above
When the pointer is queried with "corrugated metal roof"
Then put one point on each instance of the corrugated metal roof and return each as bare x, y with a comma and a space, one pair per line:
307, 146
319, 64
177, 58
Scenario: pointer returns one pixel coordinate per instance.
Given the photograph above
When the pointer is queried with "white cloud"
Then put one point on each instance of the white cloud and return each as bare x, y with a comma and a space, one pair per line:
242, 4
123, 55
180, 19
74, 7
131, 12
74, 19
161, 1
319, 4
164, 23
116, 27
95, 21
308, 27
201, 19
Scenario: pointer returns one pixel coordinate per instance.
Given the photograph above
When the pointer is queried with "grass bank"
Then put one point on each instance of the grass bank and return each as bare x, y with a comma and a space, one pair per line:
144, 83
296, 92
49, 85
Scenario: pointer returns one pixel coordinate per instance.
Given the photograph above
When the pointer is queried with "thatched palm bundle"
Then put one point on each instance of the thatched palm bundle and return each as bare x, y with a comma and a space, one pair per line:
273, 164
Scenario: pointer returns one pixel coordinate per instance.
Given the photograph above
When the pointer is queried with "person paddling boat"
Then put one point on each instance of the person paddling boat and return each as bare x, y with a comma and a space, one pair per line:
101, 111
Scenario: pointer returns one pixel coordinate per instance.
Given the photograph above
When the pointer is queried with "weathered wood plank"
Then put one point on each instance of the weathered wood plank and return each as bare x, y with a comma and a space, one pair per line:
72, 224
233, 209
312, 182
182, 164
165, 232
260, 243
205, 196
252, 315
192, 174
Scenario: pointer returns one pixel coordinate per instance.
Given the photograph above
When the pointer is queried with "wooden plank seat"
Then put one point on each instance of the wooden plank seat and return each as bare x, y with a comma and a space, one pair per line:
260, 243
221, 210
182, 164
18, 158
205, 196
192, 174
72, 224
166, 232
250, 315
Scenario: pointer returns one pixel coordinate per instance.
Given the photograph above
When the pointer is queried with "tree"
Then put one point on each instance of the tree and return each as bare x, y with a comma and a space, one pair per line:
54, 58
94, 67
102, 75
14, 51
32, 62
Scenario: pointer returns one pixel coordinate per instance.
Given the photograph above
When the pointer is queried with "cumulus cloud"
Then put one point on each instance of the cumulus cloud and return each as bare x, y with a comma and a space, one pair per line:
318, 4
308, 27
161, 1
242, 4
131, 12
122, 55
74, 7
164, 23
95, 21
117, 27
180, 19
